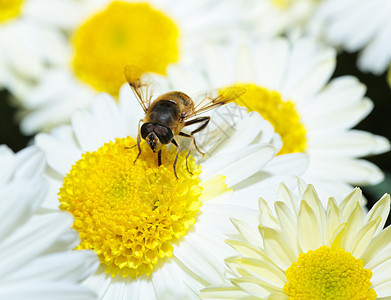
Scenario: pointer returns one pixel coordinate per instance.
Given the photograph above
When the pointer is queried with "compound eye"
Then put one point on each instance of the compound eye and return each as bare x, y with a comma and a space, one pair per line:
146, 129
165, 135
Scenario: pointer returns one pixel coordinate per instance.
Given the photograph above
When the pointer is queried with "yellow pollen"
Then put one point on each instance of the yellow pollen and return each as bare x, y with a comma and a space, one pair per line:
9, 9
123, 34
129, 213
328, 274
282, 4
281, 114
287, 4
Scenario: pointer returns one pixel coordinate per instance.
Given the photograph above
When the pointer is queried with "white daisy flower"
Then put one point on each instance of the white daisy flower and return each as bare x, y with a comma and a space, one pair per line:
270, 18
159, 237
304, 251
289, 85
363, 26
149, 35
31, 40
37, 260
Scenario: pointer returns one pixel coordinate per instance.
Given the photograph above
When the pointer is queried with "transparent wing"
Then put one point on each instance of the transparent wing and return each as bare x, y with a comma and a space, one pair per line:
208, 103
140, 85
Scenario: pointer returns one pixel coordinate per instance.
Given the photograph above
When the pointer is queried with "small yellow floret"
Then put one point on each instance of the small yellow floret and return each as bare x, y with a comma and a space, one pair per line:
282, 4
10, 9
328, 274
129, 213
123, 34
281, 114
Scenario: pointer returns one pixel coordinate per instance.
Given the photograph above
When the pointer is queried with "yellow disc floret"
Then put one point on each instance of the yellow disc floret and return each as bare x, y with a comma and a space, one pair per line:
281, 4
281, 114
130, 213
288, 4
328, 274
123, 34
9, 9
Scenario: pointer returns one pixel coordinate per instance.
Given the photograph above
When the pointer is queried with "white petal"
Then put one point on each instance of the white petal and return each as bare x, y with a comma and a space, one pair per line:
354, 171
59, 155
61, 266
19, 200
36, 290
354, 143
37, 236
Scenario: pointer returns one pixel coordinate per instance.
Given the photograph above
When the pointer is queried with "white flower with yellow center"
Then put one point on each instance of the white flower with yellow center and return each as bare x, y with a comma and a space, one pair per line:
304, 251
31, 40
289, 85
36, 256
357, 25
148, 34
270, 18
158, 237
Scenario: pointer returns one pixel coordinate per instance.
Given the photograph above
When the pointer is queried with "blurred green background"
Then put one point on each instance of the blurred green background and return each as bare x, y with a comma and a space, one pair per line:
378, 122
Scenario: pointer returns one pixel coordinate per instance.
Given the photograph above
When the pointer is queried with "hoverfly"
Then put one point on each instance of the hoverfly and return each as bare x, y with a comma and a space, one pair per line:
169, 113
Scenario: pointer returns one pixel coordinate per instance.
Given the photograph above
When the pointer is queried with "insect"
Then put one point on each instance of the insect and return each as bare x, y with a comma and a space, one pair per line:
168, 114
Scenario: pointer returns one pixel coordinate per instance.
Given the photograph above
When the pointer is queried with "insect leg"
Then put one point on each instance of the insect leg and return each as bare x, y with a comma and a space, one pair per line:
159, 157
198, 120
191, 145
176, 157
138, 140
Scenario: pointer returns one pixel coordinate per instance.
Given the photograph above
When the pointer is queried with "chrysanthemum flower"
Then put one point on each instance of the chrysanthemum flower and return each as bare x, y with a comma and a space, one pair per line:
349, 25
30, 41
271, 18
304, 251
361, 25
158, 236
37, 260
111, 34
289, 85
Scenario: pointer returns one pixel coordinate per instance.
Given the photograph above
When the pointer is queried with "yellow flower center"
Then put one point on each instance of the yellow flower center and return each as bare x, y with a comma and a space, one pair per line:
129, 213
281, 114
282, 4
123, 34
328, 274
9, 9
286, 4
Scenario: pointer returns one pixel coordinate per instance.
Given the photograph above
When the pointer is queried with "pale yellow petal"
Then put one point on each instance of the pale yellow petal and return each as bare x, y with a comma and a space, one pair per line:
337, 236
278, 296
253, 286
347, 205
285, 195
288, 224
265, 271
312, 199
353, 225
232, 263
377, 245
309, 232
364, 237
247, 232
277, 248
248, 250
381, 209
222, 292
266, 217
333, 218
